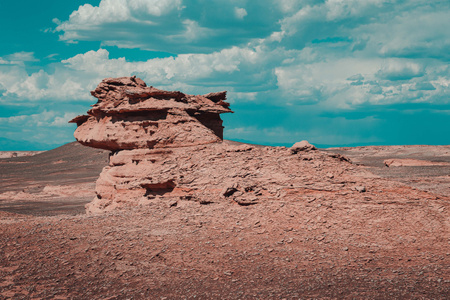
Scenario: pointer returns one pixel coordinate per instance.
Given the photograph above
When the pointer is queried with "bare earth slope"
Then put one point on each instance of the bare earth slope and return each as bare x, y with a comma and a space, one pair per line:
361, 230
58, 181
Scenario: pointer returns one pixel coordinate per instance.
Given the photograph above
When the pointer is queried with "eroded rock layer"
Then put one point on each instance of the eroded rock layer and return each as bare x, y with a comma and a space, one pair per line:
131, 115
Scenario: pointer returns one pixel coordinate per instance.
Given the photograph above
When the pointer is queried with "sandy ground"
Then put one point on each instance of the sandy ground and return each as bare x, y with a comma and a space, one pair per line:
391, 241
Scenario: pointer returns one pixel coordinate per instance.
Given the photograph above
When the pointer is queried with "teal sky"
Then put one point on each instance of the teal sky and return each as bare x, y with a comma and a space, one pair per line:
336, 72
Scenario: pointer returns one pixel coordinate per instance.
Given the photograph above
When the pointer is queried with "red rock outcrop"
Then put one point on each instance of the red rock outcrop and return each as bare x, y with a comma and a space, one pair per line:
168, 145
131, 115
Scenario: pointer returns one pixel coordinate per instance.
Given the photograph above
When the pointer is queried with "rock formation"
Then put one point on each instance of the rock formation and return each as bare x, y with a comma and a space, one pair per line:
139, 124
131, 115
168, 145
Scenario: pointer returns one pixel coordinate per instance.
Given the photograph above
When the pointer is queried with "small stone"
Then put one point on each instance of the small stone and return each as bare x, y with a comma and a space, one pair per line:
345, 248
360, 188
230, 190
172, 203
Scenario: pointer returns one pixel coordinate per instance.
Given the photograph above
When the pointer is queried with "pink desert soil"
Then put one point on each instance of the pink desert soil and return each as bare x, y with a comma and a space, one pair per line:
391, 241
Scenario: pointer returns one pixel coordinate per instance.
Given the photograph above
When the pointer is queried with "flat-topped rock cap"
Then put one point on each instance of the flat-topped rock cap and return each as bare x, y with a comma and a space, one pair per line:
131, 115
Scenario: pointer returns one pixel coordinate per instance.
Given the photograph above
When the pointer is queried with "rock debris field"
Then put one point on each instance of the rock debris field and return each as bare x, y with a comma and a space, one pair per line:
162, 208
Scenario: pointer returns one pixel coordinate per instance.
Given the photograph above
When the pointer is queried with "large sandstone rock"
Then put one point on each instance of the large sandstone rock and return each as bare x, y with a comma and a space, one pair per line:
167, 146
131, 115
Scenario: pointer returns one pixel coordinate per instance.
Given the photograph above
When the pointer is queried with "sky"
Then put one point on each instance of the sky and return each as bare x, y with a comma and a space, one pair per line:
335, 72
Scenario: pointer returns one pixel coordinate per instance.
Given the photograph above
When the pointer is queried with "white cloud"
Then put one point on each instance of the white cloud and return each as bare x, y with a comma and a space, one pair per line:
63, 120
240, 12
339, 9
231, 69
373, 27
116, 11
395, 69
429, 38
18, 58
118, 21
62, 85
347, 83
21, 56
173, 26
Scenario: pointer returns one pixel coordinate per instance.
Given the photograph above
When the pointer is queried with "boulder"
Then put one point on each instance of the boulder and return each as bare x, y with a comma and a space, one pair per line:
303, 146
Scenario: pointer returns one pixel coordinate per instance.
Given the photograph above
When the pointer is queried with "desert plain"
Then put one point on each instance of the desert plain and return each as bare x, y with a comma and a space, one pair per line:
391, 241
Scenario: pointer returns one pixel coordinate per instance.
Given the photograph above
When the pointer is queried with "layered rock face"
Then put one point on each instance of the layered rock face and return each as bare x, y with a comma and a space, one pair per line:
131, 115
167, 146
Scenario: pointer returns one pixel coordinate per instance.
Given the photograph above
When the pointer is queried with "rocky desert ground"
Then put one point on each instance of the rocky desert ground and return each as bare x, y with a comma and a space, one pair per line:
189, 216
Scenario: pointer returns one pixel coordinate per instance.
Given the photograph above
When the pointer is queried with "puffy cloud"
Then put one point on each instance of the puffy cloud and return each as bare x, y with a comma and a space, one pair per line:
232, 68
240, 13
174, 26
117, 11
395, 70
381, 28
429, 39
331, 22
240, 70
347, 83
61, 85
